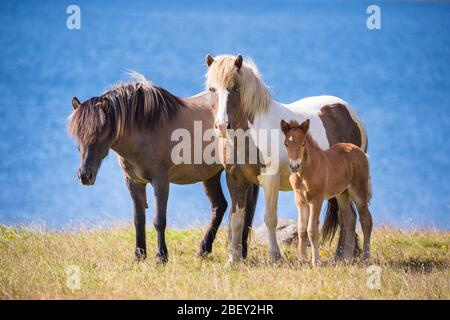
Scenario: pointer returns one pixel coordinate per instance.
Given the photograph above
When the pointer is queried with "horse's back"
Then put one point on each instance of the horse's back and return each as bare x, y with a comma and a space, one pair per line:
353, 157
340, 121
313, 104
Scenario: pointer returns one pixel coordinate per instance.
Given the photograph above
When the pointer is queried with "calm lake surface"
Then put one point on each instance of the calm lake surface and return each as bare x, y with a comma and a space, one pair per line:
396, 78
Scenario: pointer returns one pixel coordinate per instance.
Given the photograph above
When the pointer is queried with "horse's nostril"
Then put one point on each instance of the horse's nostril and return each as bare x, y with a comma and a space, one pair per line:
89, 175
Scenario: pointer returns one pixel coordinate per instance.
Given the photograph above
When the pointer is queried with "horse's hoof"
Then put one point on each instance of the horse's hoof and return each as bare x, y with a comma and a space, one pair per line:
161, 259
275, 256
140, 254
316, 263
232, 263
303, 259
203, 253
234, 260
366, 257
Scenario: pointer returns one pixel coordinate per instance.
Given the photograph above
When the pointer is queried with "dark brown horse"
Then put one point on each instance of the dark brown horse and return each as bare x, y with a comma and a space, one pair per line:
137, 120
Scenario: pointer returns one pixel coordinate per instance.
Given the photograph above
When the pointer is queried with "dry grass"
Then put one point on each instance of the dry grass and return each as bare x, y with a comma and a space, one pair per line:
415, 265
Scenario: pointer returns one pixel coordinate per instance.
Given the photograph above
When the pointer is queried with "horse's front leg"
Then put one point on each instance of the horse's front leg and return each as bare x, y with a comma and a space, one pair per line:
302, 222
213, 191
239, 189
161, 194
250, 208
138, 195
271, 186
313, 229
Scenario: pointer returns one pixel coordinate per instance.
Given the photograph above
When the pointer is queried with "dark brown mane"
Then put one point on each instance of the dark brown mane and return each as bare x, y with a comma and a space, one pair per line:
125, 106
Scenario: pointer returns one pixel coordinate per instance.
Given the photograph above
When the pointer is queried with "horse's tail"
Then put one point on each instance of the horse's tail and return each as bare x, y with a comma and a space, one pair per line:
330, 224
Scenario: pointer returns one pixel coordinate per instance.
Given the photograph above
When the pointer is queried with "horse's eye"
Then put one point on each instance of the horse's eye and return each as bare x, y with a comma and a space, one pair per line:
212, 89
285, 144
237, 89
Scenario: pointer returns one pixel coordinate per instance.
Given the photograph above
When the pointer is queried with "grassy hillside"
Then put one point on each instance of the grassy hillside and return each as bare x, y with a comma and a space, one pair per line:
33, 265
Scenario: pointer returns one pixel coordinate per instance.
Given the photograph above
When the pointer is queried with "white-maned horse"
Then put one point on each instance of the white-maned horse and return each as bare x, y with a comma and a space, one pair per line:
244, 101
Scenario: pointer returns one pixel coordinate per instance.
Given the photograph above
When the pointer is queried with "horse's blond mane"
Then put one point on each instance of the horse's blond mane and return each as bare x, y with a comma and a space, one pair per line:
255, 96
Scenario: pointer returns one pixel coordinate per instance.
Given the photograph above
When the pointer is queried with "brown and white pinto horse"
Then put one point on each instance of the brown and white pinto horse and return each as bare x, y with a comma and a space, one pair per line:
137, 120
245, 102
342, 171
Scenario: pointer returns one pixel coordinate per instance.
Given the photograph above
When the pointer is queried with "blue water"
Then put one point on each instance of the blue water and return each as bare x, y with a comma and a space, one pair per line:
397, 79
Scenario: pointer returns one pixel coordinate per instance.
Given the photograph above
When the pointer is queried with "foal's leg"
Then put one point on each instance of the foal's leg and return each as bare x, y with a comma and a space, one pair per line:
161, 194
341, 240
349, 222
138, 195
302, 222
213, 191
271, 186
366, 225
313, 229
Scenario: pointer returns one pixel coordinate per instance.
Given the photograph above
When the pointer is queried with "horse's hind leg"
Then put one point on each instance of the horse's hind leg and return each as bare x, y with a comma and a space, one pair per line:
213, 191
349, 224
359, 196
366, 224
365, 218
341, 240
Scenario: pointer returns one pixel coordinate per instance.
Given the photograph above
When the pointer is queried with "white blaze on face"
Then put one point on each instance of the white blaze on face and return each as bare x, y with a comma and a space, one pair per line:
294, 164
222, 117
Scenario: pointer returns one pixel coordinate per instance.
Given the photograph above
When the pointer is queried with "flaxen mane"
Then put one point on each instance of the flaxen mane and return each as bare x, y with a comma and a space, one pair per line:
125, 106
254, 94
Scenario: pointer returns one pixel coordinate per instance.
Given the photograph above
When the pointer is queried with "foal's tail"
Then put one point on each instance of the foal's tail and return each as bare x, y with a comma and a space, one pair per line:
330, 224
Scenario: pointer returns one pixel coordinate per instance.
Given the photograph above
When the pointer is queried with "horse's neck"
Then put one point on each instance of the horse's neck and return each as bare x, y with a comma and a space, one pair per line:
313, 154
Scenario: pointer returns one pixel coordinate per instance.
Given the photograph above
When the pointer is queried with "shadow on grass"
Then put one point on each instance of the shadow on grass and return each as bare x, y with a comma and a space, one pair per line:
418, 265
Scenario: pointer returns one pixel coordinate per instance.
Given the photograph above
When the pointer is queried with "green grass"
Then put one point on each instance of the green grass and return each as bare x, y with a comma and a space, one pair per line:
415, 265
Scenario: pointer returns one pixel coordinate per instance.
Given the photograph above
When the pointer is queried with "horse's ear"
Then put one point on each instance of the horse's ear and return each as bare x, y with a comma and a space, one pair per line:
238, 61
209, 60
75, 103
305, 126
105, 104
284, 126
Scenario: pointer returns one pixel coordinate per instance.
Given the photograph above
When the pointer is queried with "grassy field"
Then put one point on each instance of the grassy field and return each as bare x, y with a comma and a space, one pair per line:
33, 265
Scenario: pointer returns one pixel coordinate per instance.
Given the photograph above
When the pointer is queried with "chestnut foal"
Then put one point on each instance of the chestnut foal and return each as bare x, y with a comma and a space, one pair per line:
341, 171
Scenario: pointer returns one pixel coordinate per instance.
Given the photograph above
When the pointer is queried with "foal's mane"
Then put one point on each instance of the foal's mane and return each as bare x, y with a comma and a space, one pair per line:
294, 125
255, 96
124, 106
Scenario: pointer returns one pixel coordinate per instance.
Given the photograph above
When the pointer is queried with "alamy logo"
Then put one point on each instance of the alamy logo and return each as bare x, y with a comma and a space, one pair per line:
249, 146
73, 280
374, 20
74, 19
374, 280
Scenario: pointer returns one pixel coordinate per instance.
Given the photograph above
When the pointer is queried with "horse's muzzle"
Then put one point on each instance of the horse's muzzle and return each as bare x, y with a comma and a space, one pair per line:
223, 127
86, 176
294, 166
